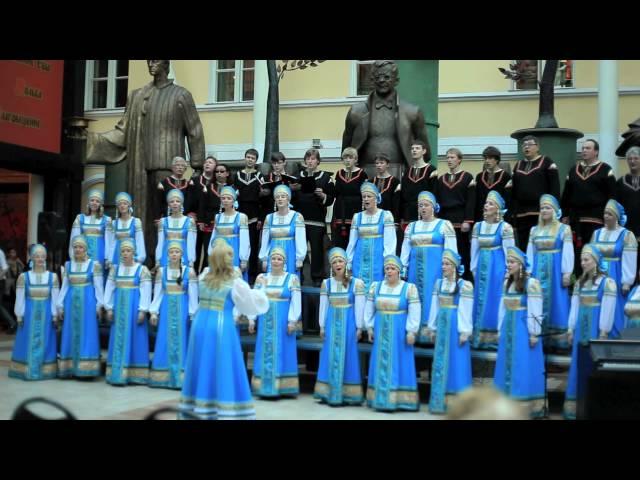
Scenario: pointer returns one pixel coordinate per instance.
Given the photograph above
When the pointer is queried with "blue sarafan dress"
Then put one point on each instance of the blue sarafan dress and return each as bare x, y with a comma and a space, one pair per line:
95, 231
235, 231
174, 303
519, 369
132, 230
632, 309
592, 310
80, 296
392, 313
128, 292
286, 232
550, 252
215, 377
181, 229
34, 350
372, 237
341, 312
619, 248
421, 255
450, 316
489, 242
275, 363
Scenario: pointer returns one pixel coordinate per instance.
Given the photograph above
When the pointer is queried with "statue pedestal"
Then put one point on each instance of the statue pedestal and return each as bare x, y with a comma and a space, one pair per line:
557, 143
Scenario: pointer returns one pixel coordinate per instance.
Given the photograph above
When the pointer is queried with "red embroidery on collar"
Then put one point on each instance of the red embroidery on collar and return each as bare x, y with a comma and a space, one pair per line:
385, 186
450, 186
592, 173
418, 179
533, 169
490, 186
352, 178
186, 183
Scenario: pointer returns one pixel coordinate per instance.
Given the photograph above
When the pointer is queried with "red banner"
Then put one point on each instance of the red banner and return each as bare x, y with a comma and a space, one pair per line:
31, 103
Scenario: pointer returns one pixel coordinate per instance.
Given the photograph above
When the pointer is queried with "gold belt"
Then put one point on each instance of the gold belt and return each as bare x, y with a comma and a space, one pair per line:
392, 312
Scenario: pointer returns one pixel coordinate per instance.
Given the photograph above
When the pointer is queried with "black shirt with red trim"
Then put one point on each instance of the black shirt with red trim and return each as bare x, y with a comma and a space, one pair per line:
627, 193
414, 181
348, 197
456, 194
388, 187
185, 185
530, 180
501, 182
587, 190
248, 186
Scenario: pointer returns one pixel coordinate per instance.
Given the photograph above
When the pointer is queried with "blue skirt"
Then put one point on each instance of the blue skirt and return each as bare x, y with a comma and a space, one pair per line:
34, 350
451, 368
487, 295
519, 369
128, 358
80, 340
338, 380
275, 364
216, 385
392, 369
167, 368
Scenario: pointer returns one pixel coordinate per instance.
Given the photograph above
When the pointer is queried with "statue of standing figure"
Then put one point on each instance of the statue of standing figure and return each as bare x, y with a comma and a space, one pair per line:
158, 118
385, 124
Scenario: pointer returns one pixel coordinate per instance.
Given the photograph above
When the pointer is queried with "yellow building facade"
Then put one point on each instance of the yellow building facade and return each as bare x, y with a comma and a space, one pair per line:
477, 105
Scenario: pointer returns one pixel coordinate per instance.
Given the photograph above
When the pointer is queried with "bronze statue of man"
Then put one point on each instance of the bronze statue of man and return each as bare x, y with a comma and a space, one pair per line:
158, 118
385, 123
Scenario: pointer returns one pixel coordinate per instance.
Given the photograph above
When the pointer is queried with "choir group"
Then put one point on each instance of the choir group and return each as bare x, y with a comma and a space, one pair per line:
413, 261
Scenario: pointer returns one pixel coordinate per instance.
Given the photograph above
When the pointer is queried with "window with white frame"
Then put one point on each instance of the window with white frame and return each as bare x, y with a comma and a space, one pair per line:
106, 84
362, 84
531, 73
233, 81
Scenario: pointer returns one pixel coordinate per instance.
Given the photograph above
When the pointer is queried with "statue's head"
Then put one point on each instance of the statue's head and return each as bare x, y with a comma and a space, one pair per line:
384, 75
156, 65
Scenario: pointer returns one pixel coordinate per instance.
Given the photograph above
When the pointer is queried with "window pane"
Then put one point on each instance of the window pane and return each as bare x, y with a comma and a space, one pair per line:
100, 68
365, 84
225, 86
249, 64
564, 75
121, 92
99, 94
226, 64
247, 85
122, 69
528, 70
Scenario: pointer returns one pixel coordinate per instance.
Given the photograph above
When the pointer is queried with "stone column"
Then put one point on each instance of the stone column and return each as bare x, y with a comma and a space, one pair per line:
36, 205
260, 92
608, 112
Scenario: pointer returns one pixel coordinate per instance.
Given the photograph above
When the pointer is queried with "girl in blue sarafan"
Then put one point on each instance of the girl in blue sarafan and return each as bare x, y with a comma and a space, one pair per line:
619, 249
632, 308
124, 226
519, 369
79, 304
392, 318
593, 307
372, 237
96, 227
550, 252
175, 301
215, 377
178, 227
284, 228
127, 298
450, 327
422, 247
233, 227
341, 318
34, 350
489, 242
275, 363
